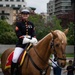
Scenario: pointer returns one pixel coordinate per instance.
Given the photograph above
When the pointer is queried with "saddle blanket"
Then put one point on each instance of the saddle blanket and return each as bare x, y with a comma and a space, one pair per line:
9, 59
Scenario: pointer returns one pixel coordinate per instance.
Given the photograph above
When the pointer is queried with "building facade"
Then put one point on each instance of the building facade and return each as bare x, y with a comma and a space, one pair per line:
62, 6
50, 9
10, 8
56, 7
12, 3
62, 9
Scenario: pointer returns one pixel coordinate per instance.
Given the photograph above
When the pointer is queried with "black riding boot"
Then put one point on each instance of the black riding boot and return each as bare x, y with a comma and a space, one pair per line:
13, 68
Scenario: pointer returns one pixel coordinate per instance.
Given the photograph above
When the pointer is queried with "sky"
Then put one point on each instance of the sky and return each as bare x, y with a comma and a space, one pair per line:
40, 5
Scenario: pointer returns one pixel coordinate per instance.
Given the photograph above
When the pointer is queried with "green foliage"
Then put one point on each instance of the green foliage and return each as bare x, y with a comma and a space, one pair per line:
8, 38
57, 26
71, 34
56, 23
7, 34
41, 29
4, 26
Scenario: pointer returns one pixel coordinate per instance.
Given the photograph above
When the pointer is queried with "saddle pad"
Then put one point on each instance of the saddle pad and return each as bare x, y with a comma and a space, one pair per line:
9, 59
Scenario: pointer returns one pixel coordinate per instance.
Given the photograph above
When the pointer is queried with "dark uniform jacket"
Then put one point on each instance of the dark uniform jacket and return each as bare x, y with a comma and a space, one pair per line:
70, 70
24, 28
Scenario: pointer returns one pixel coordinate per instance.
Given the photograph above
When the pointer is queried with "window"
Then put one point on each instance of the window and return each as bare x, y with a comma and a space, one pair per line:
7, 5
18, 0
19, 6
23, 5
3, 12
6, 0
11, 0
22, 0
12, 5
1, 5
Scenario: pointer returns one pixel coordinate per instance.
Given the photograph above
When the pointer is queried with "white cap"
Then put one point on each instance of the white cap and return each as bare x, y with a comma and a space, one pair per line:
25, 10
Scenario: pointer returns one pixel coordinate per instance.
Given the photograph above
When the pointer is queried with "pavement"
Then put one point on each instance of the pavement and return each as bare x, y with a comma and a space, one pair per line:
68, 58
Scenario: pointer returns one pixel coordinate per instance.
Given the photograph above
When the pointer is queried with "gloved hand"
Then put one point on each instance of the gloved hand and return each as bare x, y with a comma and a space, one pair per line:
33, 40
25, 40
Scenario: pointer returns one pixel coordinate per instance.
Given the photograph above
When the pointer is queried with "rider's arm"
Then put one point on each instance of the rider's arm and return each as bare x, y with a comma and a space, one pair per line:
33, 31
17, 30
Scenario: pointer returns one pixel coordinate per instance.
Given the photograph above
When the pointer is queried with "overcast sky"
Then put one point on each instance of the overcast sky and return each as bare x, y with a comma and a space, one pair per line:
40, 5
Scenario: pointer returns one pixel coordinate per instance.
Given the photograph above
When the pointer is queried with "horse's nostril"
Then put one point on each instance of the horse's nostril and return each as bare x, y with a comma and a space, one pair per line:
62, 65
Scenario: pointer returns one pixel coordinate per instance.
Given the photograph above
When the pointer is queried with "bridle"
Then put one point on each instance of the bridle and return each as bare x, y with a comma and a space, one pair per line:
52, 46
44, 71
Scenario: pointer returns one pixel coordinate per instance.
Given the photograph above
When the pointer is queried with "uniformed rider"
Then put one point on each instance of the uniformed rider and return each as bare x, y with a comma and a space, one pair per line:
25, 32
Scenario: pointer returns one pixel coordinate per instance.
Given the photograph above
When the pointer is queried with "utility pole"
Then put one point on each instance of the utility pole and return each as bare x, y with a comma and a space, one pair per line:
73, 8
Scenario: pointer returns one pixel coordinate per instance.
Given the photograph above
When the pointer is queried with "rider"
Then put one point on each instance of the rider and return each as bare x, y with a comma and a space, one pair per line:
25, 32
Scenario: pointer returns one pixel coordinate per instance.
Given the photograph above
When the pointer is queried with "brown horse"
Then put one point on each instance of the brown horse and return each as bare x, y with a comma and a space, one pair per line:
36, 61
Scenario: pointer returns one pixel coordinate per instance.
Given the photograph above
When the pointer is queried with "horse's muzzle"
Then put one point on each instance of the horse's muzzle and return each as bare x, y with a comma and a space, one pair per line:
62, 63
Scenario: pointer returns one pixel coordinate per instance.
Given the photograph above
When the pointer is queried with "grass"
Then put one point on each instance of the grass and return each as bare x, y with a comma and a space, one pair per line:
70, 55
67, 55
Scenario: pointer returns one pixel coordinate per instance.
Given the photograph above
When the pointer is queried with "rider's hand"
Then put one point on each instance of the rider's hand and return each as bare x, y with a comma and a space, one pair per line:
25, 40
33, 40
21, 37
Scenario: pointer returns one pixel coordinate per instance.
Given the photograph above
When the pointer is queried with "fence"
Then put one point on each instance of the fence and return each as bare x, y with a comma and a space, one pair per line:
69, 48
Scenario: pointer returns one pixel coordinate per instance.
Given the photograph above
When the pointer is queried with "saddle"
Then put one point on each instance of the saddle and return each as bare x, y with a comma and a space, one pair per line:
20, 60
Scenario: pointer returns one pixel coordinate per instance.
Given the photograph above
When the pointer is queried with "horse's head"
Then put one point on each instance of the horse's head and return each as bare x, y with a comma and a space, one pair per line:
59, 43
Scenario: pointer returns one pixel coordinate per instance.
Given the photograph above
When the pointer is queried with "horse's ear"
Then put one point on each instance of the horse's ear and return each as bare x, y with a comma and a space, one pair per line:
54, 34
66, 31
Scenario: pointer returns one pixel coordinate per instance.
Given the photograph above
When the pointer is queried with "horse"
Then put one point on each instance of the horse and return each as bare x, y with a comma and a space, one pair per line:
37, 59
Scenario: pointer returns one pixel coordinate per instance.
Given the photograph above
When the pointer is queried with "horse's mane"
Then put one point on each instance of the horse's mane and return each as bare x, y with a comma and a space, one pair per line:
60, 34
44, 37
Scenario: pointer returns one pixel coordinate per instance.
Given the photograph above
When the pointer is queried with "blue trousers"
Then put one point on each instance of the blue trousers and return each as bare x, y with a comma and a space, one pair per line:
57, 71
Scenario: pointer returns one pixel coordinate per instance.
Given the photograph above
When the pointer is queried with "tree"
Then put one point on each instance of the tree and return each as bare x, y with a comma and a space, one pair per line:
41, 29
56, 23
7, 34
71, 34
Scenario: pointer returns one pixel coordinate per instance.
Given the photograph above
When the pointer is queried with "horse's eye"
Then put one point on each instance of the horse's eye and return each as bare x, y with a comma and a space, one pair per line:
57, 45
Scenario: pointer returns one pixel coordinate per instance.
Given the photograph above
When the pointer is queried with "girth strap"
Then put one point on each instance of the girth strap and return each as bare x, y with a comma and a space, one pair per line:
42, 71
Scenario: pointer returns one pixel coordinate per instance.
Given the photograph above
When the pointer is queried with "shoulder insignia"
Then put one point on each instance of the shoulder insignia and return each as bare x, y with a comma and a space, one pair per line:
16, 28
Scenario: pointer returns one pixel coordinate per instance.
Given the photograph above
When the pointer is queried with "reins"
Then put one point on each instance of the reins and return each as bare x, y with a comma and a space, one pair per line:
55, 53
44, 61
42, 71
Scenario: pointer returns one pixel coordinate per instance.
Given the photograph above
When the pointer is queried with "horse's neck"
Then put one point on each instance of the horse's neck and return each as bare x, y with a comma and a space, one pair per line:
43, 47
